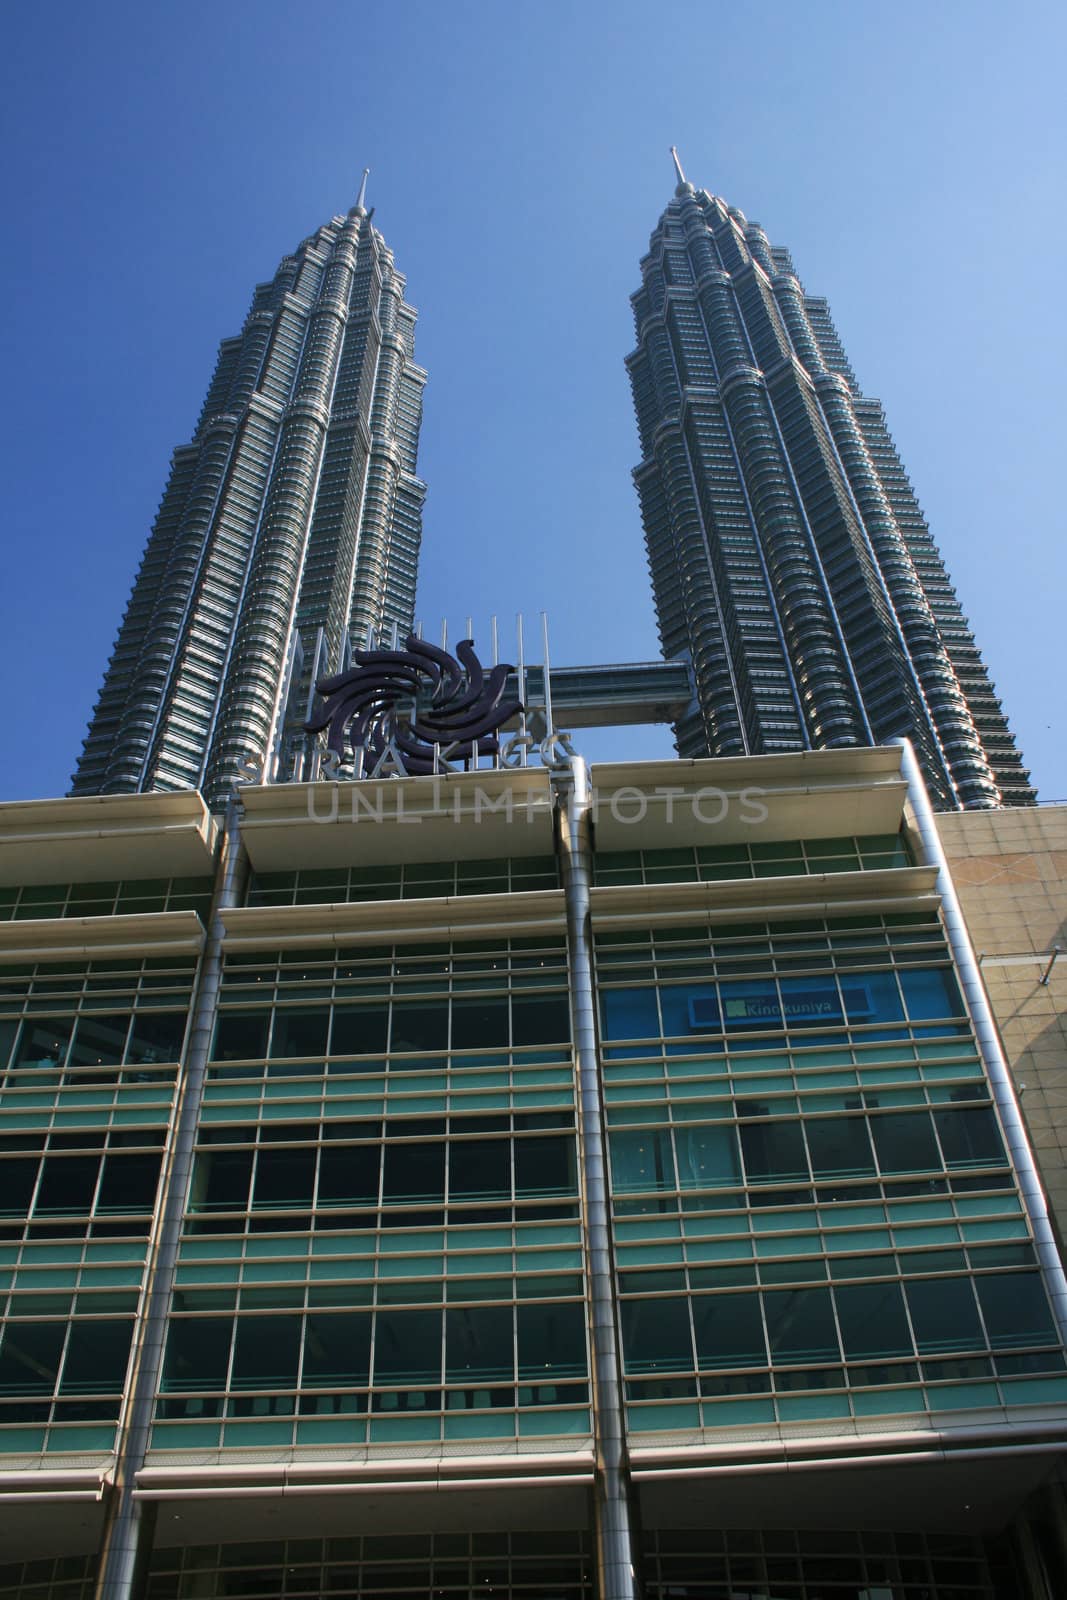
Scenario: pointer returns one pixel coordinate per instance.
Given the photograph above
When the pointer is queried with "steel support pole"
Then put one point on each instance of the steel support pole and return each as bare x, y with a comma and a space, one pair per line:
989, 1045
614, 1540
127, 1538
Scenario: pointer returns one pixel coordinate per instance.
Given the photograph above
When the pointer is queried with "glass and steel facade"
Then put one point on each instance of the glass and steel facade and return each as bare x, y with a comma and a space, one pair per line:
790, 560
302, 1198
290, 526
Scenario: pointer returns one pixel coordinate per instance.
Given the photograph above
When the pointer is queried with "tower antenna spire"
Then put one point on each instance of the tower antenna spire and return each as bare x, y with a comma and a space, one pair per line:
677, 164
361, 197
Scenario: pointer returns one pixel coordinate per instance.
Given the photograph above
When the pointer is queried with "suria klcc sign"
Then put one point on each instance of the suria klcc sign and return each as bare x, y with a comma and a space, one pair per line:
419, 710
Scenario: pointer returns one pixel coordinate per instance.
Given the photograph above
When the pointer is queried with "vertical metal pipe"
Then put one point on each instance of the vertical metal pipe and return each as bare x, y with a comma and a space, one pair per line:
521, 670
546, 687
614, 1548
126, 1542
989, 1045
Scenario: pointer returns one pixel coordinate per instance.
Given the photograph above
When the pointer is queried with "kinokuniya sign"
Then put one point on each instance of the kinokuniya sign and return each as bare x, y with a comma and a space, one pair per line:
417, 709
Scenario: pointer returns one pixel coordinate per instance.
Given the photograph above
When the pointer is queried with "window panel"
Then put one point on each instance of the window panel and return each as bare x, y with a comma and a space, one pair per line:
707, 1157
266, 1352
839, 1147
800, 1324
29, 1357
905, 1142
420, 1027
414, 1172
99, 1040
479, 1169
478, 1344
359, 1030
872, 997
1015, 1309
970, 1137
551, 1340
629, 1014
479, 1024
931, 992
156, 1036
221, 1180
810, 1002
773, 1150
336, 1350
873, 1321
284, 1178
348, 1174
407, 1347
97, 1356
656, 1335
729, 1330
541, 1020
43, 1043
128, 1183
241, 1036
944, 1315
198, 1353
18, 1179
642, 1160
545, 1166
299, 1033
750, 1004
67, 1185
689, 1008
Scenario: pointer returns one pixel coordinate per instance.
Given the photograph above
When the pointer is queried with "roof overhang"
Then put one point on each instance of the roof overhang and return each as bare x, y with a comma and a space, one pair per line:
94, 838
816, 794
459, 816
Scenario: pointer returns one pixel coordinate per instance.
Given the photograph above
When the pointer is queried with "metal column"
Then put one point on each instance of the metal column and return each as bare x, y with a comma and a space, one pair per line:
985, 1028
127, 1538
614, 1544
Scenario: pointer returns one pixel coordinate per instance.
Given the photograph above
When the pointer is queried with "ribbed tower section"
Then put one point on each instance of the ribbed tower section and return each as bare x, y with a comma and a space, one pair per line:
790, 560
291, 522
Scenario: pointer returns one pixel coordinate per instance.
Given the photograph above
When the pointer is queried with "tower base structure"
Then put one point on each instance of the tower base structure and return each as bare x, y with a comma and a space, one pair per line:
561, 1183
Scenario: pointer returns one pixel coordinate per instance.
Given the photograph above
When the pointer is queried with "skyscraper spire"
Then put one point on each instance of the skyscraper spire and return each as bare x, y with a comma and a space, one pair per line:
678, 165
362, 196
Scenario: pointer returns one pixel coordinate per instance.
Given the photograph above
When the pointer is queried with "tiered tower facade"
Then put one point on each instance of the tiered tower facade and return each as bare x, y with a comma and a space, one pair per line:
790, 559
290, 524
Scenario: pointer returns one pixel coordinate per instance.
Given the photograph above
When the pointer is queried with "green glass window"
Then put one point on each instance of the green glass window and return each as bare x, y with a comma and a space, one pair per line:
551, 1340
944, 1315
197, 1354
729, 1330
656, 1335
905, 1142
642, 1160
336, 1350
29, 1357
839, 1147
773, 1150
800, 1325
407, 1347
873, 1321
478, 1344
1015, 1309
707, 1157
266, 1353
241, 1036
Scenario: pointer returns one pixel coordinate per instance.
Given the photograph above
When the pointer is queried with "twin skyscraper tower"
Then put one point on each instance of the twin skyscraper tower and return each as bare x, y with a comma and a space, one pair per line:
791, 565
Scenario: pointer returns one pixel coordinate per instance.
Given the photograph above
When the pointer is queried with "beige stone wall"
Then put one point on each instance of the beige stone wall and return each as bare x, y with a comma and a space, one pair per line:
1010, 869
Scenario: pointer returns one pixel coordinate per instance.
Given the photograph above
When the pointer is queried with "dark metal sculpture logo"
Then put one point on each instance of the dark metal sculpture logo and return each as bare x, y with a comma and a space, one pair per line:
408, 710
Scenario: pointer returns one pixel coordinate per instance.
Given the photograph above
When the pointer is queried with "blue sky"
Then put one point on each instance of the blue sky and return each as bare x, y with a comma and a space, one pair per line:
161, 158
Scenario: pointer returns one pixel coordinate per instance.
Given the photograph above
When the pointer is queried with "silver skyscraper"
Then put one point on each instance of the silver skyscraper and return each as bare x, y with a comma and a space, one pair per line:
790, 559
290, 525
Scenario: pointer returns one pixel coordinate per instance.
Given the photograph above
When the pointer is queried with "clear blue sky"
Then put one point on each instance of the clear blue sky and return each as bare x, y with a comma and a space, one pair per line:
160, 158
